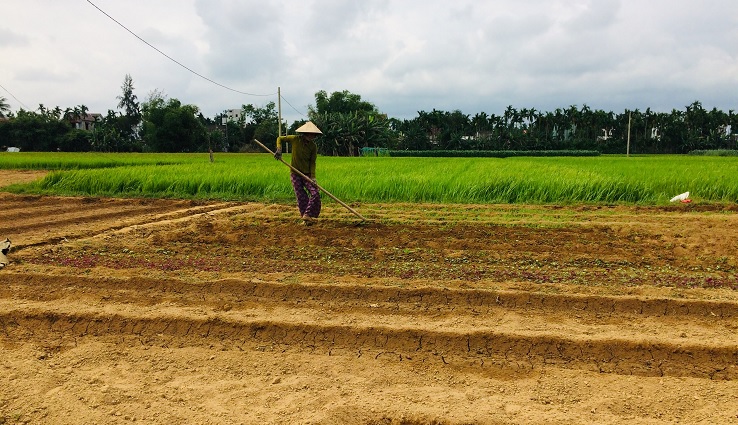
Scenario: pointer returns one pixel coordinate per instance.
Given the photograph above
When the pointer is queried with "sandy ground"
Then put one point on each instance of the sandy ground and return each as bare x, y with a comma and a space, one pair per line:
179, 312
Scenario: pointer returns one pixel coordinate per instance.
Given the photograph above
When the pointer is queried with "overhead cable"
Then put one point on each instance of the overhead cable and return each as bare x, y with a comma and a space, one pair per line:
13, 96
292, 106
174, 60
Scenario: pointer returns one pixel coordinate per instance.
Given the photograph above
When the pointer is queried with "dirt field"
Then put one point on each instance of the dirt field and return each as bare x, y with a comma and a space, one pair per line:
182, 312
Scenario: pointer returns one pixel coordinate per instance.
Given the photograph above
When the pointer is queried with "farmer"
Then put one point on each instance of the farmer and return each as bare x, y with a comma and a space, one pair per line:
304, 154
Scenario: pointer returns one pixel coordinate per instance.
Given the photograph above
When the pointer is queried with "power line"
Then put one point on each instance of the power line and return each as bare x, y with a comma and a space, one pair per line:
292, 106
174, 60
16, 99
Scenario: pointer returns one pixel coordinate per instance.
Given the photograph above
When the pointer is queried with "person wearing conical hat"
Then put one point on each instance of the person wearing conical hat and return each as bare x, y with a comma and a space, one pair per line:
304, 156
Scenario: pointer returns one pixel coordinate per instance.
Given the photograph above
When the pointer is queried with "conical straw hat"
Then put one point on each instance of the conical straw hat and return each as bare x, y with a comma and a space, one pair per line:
309, 127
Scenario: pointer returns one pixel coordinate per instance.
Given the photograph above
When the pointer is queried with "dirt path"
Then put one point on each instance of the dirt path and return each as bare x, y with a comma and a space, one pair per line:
179, 312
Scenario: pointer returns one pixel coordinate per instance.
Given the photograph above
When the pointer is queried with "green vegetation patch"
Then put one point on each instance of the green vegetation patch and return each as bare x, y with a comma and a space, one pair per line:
489, 154
70, 160
534, 180
715, 152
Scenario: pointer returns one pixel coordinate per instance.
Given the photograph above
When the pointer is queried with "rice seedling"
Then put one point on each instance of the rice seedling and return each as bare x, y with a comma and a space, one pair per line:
74, 160
603, 179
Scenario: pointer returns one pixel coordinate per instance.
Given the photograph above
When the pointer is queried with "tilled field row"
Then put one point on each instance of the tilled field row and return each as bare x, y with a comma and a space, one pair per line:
516, 330
430, 299
73, 218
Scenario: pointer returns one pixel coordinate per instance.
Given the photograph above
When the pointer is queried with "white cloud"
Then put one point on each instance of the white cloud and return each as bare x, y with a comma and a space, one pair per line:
402, 55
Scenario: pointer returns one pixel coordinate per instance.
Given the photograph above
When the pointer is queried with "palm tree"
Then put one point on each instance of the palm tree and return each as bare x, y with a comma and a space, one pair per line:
480, 124
4, 107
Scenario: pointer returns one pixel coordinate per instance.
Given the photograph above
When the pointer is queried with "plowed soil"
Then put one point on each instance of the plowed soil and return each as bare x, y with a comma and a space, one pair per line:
118, 311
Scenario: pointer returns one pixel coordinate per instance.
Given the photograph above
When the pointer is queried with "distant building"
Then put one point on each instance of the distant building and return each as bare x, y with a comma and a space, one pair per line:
87, 122
232, 115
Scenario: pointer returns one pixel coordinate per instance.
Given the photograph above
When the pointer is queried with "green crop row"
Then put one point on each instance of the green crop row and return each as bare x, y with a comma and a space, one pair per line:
601, 179
715, 152
490, 154
73, 160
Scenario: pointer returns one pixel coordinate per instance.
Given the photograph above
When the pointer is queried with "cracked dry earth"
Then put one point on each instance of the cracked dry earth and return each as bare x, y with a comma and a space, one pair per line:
121, 311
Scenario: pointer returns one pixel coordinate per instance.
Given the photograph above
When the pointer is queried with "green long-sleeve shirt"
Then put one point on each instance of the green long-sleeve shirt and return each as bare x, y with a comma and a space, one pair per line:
304, 153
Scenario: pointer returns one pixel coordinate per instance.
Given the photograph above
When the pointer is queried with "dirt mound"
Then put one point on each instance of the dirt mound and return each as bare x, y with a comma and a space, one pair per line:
170, 311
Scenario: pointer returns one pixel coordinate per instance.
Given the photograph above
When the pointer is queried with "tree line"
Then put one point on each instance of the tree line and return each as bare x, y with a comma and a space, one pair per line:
349, 123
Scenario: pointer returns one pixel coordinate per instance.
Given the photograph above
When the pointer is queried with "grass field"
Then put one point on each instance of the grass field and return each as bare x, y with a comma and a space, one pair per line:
605, 179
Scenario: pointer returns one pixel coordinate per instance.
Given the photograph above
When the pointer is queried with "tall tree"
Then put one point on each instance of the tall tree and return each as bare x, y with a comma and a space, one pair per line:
33, 131
106, 136
128, 101
130, 119
343, 102
170, 126
260, 123
4, 107
348, 123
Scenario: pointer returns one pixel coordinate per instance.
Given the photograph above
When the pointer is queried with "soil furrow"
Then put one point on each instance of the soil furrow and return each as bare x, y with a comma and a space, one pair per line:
421, 299
173, 311
626, 355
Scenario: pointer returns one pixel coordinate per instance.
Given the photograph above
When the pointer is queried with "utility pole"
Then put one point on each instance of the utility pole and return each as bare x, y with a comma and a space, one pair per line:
627, 151
279, 115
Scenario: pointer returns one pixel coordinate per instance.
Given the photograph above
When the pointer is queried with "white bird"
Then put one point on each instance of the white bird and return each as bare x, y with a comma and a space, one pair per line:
680, 197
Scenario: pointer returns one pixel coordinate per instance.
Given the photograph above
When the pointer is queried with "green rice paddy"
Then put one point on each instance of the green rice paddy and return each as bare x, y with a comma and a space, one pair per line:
258, 177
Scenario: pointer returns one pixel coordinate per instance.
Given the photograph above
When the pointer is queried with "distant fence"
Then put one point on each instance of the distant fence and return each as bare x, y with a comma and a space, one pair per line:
375, 152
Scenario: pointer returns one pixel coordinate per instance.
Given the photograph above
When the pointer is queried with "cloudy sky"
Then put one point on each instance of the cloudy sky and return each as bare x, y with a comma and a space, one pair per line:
403, 56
